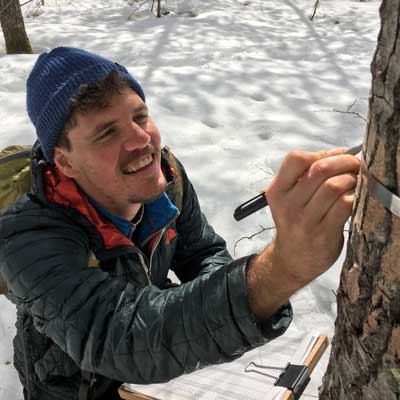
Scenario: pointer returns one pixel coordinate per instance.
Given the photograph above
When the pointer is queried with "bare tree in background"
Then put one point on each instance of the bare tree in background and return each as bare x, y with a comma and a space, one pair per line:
12, 24
158, 8
365, 357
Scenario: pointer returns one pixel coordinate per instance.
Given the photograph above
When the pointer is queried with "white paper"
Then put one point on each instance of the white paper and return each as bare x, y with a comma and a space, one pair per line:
229, 381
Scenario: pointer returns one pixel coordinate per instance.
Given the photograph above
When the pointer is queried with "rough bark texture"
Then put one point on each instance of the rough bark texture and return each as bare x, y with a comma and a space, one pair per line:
12, 24
365, 357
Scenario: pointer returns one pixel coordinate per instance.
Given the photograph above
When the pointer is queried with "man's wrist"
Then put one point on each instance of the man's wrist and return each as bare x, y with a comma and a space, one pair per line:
287, 268
269, 283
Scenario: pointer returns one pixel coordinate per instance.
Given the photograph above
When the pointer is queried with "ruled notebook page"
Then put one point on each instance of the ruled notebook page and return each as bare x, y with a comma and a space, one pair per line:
229, 381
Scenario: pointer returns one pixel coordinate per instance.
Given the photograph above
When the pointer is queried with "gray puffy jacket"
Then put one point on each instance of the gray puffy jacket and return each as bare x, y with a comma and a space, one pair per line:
120, 319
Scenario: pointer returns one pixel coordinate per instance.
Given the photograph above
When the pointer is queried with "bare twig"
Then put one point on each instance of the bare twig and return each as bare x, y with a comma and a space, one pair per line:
251, 236
72, 2
356, 114
27, 2
262, 169
351, 105
348, 111
138, 8
315, 10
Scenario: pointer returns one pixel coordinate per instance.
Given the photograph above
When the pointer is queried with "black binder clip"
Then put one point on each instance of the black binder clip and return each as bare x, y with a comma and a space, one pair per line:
293, 377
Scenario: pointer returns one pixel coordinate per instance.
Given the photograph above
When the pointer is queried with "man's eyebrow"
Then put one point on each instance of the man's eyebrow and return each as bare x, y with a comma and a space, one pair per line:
140, 108
101, 127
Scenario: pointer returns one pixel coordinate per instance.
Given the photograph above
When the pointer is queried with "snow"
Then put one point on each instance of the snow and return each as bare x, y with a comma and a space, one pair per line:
233, 86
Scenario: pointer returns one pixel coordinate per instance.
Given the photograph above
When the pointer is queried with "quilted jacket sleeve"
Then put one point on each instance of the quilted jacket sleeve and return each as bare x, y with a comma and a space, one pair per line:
119, 330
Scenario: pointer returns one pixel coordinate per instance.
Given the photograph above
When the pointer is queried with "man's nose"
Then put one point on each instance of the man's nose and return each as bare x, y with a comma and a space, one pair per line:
135, 137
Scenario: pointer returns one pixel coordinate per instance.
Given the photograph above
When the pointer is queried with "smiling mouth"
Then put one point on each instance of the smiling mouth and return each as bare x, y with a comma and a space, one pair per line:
139, 164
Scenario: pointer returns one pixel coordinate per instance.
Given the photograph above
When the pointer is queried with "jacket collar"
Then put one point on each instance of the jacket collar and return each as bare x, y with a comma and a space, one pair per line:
157, 214
50, 184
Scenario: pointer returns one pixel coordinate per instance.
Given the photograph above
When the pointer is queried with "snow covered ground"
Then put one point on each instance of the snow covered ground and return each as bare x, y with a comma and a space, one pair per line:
233, 86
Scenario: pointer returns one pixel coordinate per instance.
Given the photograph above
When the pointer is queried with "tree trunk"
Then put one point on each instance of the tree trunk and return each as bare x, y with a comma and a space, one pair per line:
365, 358
12, 24
158, 8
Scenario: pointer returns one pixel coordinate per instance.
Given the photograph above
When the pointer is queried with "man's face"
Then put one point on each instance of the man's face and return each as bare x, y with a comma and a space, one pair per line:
115, 155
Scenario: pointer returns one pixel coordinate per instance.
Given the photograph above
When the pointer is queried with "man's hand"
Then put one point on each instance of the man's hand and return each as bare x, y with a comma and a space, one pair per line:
310, 199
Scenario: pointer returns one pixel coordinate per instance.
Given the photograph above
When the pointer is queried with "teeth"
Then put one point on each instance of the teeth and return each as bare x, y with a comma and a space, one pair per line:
141, 163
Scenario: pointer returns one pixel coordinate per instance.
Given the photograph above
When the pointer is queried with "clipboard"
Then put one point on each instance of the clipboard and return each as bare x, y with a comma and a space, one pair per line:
298, 380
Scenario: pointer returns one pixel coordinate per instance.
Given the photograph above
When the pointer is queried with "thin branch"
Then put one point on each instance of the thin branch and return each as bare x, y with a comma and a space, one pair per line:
72, 2
251, 236
347, 112
138, 8
315, 10
351, 105
27, 2
356, 114
262, 169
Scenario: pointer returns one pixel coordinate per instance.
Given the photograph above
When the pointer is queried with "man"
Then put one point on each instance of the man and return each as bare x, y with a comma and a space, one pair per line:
101, 196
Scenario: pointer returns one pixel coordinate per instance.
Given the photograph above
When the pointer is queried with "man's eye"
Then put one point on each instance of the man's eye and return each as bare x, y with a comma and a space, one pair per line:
141, 119
109, 132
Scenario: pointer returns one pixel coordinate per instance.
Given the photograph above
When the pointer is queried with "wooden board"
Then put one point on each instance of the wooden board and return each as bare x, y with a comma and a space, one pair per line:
132, 396
312, 360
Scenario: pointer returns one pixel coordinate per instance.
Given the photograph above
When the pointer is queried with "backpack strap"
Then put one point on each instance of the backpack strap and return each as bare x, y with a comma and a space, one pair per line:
177, 188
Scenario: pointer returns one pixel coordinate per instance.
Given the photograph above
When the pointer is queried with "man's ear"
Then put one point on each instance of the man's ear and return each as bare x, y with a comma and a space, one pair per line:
62, 161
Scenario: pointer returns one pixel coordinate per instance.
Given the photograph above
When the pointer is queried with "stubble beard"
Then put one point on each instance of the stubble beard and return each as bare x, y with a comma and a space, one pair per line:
159, 188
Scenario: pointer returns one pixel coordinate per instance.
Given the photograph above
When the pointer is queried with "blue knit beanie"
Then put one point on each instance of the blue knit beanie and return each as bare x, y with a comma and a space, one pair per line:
55, 78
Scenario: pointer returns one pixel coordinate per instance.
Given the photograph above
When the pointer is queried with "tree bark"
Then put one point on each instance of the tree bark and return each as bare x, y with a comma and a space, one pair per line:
12, 24
365, 357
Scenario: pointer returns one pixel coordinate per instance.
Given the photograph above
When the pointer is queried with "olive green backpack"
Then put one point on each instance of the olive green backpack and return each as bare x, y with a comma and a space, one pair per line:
15, 180
15, 176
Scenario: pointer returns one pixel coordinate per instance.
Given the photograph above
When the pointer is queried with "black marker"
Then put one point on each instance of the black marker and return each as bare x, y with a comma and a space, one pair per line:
258, 202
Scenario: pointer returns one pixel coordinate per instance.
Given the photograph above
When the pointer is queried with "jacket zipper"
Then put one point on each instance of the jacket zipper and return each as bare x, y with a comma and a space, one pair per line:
155, 246
160, 230
144, 262
145, 268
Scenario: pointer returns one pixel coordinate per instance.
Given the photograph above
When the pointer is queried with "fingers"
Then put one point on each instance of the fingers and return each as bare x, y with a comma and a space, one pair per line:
296, 163
311, 199
329, 192
340, 212
319, 177
293, 168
